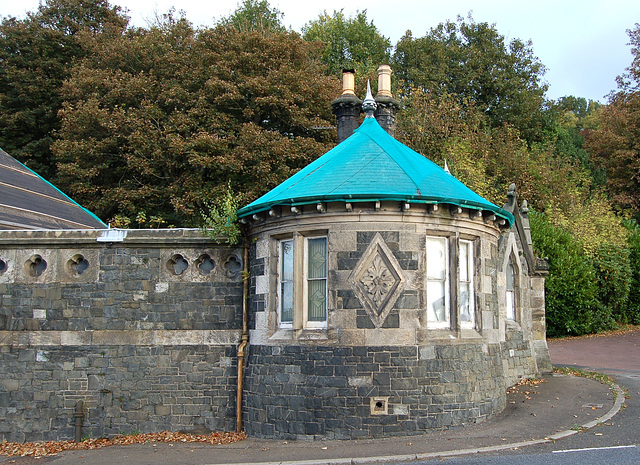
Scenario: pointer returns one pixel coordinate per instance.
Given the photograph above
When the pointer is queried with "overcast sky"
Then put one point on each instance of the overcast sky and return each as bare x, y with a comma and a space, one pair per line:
582, 43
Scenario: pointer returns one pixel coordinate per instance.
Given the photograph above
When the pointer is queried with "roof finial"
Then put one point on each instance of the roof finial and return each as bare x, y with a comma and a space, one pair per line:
446, 167
369, 105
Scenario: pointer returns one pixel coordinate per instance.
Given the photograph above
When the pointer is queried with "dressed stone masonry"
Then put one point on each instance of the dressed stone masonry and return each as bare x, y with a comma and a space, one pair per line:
378, 346
431, 302
143, 331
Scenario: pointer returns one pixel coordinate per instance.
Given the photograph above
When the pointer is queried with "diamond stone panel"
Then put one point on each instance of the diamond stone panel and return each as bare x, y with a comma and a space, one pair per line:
377, 280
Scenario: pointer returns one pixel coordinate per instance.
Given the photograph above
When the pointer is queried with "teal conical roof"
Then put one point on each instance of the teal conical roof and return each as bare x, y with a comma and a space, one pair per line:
370, 166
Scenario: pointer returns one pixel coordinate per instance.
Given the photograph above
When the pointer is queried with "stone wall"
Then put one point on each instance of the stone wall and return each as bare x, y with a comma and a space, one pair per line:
124, 388
298, 392
143, 329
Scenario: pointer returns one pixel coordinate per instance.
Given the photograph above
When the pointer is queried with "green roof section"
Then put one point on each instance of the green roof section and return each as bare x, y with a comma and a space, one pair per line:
370, 166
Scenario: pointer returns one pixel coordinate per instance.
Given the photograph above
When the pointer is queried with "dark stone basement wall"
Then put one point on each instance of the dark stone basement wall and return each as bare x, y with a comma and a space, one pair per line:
125, 389
295, 392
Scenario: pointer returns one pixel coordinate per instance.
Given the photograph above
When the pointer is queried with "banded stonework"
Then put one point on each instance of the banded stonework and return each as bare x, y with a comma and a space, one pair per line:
380, 367
143, 331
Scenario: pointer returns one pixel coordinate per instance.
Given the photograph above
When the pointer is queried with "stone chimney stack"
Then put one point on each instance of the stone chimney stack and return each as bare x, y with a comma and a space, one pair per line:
347, 107
387, 105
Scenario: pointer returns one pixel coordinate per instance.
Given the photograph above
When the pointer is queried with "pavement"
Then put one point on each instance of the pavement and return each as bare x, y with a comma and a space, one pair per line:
558, 407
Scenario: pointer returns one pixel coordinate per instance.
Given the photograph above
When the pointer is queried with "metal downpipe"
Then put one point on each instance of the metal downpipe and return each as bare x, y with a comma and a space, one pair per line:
245, 334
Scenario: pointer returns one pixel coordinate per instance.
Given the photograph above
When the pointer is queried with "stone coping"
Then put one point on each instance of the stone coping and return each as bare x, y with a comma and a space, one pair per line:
95, 237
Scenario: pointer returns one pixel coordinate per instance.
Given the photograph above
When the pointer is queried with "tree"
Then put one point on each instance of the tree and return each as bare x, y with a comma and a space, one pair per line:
614, 144
615, 148
633, 313
571, 117
473, 62
579, 107
36, 56
161, 121
629, 82
349, 43
488, 159
255, 16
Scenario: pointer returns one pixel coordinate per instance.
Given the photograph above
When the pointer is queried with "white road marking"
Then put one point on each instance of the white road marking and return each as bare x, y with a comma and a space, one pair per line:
633, 446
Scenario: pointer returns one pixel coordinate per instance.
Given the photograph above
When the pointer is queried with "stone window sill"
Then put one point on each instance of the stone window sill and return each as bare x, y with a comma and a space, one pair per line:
513, 325
289, 334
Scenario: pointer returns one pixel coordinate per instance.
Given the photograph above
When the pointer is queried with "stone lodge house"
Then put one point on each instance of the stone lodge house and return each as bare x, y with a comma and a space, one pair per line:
382, 298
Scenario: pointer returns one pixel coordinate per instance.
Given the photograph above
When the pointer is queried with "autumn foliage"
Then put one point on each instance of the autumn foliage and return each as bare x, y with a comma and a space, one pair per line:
162, 120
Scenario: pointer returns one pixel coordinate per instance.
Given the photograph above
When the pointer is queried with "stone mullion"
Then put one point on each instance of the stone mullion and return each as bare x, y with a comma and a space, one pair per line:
298, 281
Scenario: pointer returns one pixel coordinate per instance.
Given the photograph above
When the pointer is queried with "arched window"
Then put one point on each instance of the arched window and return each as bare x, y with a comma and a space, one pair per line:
511, 291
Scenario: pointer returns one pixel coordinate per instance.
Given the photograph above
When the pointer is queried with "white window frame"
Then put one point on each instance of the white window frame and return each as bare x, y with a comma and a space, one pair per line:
469, 245
452, 282
284, 324
306, 322
445, 281
301, 281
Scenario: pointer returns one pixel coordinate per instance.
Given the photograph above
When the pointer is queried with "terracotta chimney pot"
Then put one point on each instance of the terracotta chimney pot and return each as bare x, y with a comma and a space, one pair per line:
348, 82
384, 81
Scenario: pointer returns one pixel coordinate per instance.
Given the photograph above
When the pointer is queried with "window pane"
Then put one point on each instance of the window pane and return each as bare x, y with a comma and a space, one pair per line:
286, 294
465, 289
286, 281
436, 304
464, 261
510, 277
317, 279
287, 260
437, 282
436, 257
465, 304
511, 309
317, 310
317, 258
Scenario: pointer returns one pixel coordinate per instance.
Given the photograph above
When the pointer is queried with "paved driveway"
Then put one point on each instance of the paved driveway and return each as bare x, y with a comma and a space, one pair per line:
611, 354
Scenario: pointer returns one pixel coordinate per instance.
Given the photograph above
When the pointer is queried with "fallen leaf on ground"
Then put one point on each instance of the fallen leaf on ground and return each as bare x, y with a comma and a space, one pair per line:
43, 449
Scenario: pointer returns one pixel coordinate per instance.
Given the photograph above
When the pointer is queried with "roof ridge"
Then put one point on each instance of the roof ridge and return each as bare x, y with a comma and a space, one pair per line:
397, 147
